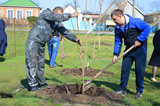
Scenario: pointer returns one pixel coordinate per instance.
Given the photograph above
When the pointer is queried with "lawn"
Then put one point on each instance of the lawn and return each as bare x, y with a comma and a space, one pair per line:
13, 73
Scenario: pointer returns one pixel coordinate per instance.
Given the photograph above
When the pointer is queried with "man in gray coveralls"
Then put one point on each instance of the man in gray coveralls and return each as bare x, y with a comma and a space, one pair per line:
35, 44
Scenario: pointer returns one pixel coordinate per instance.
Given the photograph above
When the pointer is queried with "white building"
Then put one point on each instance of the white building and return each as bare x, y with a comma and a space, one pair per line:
128, 10
127, 7
82, 17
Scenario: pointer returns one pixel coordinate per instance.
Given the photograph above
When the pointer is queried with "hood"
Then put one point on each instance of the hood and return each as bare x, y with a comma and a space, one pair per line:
2, 24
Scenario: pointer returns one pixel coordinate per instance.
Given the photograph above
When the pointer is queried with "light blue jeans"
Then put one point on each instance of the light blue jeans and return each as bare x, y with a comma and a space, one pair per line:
53, 45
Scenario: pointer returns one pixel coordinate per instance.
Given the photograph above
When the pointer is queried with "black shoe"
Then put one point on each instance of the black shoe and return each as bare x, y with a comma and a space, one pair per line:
44, 85
120, 92
52, 66
138, 95
34, 88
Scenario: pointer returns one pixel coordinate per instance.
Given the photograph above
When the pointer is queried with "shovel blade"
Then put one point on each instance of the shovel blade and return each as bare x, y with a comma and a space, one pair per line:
63, 55
87, 85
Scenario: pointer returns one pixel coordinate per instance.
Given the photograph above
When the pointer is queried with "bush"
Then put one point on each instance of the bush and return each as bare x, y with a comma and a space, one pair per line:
32, 20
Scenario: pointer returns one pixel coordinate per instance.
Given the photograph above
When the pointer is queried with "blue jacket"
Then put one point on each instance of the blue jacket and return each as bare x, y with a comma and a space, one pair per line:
3, 38
135, 29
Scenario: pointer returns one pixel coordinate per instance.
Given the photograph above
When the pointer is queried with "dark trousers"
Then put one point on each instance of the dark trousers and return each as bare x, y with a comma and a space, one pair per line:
138, 55
35, 61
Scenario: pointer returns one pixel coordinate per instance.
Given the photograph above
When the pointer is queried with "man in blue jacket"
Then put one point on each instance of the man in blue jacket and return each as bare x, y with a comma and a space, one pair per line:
53, 43
35, 45
133, 31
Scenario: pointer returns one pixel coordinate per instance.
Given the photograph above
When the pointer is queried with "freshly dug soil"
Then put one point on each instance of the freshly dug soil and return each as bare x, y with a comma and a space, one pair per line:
90, 72
95, 95
5, 95
105, 44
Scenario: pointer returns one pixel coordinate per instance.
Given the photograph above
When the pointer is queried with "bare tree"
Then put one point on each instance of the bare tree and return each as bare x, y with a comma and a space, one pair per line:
37, 2
100, 7
155, 6
121, 4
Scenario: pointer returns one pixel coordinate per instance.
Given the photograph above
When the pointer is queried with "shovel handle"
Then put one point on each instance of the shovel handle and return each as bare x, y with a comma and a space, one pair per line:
125, 52
12, 93
62, 46
111, 63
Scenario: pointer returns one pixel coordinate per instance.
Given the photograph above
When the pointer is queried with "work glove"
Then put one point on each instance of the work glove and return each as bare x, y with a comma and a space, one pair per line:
79, 42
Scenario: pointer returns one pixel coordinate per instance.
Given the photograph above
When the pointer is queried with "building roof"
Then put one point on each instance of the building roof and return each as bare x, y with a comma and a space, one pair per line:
92, 15
154, 13
123, 4
19, 3
68, 6
136, 7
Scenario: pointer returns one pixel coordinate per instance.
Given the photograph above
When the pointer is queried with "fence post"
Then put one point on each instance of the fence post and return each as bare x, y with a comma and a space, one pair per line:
14, 40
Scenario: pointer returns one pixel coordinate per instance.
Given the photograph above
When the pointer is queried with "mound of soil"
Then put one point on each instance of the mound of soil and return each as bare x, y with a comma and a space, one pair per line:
90, 72
105, 44
72, 93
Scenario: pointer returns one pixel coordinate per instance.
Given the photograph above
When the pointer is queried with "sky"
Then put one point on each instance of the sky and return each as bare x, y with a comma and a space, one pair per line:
146, 6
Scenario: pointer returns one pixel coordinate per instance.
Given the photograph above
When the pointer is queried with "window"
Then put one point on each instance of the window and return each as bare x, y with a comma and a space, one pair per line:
83, 19
28, 13
95, 19
87, 19
19, 14
10, 14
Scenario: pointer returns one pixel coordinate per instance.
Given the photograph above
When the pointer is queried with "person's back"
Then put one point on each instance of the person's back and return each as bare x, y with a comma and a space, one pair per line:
41, 32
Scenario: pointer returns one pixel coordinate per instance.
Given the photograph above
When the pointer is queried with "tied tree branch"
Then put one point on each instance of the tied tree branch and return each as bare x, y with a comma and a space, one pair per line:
75, 2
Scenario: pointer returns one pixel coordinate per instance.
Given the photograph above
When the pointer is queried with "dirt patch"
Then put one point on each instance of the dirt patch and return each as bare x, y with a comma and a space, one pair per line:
105, 44
5, 95
95, 95
90, 72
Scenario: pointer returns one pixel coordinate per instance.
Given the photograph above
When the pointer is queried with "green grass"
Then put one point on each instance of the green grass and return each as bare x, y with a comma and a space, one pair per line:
13, 73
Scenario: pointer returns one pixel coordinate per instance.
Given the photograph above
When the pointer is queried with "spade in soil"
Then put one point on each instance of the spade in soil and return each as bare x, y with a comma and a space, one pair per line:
87, 84
6, 95
72, 93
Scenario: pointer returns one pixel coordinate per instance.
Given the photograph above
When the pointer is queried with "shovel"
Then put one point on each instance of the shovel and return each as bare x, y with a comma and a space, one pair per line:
63, 55
87, 84
6, 95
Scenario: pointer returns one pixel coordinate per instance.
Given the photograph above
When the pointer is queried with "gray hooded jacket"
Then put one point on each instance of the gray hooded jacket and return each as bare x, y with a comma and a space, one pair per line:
41, 32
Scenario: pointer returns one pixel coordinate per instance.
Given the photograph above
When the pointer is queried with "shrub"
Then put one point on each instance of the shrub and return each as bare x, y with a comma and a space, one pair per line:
32, 20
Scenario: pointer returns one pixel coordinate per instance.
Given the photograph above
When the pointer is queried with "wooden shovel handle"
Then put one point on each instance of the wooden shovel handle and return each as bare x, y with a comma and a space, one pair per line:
62, 46
111, 63
125, 52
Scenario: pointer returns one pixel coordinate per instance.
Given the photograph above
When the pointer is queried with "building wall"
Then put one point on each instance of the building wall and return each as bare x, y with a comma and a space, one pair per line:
70, 24
128, 10
3, 11
69, 9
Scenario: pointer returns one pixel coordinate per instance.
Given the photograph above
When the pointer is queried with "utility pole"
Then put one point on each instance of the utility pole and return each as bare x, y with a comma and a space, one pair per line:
133, 12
